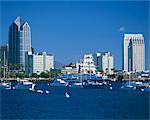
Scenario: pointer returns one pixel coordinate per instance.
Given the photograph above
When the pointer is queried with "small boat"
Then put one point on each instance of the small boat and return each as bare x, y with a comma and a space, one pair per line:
39, 91
8, 88
32, 87
127, 87
47, 92
58, 82
13, 88
67, 95
93, 84
27, 83
23, 85
5, 86
142, 89
140, 86
61, 81
74, 83
110, 88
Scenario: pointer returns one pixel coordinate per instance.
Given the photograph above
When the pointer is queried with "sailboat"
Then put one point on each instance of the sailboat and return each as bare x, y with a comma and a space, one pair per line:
39, 91
67, 95
129, 85
32, 87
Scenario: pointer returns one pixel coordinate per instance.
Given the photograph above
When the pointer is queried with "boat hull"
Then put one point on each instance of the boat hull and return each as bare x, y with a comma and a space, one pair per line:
93, 86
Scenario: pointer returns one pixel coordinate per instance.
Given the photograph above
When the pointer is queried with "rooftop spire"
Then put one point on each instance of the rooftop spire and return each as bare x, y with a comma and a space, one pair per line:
19, 21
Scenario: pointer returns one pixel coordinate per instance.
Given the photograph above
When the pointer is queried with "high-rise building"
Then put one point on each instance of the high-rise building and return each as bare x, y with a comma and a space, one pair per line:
104, 62
39, 62
3, 60
133, 53
19, 43
4, 55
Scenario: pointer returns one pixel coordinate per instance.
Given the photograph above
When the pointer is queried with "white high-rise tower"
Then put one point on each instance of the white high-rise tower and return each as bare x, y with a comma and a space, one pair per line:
133, 53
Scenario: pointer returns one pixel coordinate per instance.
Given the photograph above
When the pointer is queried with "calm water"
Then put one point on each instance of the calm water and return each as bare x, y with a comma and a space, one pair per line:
83, 104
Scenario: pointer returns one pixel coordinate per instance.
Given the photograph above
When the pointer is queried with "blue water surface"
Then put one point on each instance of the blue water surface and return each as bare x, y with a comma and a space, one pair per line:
82, 104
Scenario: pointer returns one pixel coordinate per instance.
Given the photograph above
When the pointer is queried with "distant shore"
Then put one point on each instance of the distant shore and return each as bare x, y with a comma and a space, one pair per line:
51, 79
27, 79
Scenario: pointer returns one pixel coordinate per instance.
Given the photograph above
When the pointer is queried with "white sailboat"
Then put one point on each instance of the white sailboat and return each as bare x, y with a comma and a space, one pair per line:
39, 91
67, 95
32, 87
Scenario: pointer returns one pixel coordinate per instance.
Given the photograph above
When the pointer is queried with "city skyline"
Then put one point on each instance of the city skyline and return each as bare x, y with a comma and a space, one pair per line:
72, 33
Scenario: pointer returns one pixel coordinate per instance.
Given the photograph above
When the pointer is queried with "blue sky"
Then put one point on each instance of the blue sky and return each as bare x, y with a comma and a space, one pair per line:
70, 29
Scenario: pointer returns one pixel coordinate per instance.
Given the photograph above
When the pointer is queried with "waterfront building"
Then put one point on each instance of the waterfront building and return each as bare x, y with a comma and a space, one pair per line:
104, 62
133, 53
70, 69
86, 65
19, 43
39, 62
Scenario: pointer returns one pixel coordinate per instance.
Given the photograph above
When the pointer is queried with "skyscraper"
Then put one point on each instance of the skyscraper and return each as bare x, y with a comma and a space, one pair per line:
4, 55
133, 53
19, 43
3, 60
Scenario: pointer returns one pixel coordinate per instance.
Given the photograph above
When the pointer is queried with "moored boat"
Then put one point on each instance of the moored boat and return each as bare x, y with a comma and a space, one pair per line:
58, 82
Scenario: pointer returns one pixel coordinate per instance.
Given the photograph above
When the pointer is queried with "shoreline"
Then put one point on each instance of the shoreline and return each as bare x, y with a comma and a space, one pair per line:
51, 79
26, 79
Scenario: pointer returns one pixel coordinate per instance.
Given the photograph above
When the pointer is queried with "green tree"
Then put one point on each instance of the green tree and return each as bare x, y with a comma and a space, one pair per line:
21, 75
13, 74
34, 75
44, 75
1, 72
54, 73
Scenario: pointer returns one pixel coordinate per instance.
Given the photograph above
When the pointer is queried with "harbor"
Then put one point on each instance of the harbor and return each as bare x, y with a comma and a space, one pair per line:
57, 102
76, 96
80, 80
68, 60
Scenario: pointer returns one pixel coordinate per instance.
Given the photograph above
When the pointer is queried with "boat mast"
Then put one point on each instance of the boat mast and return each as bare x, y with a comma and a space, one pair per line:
130, 71
4, 65
80, 70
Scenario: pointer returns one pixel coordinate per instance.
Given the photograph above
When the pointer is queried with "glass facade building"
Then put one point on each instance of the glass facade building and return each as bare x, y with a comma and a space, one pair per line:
19, 43
4, 55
